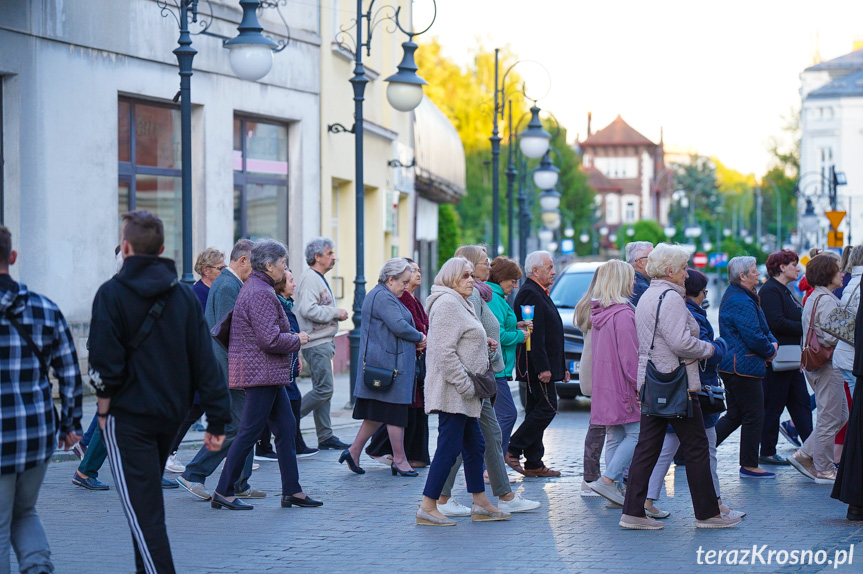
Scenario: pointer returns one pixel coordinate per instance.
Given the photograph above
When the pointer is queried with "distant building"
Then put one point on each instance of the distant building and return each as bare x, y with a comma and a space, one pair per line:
628, 173
831, 121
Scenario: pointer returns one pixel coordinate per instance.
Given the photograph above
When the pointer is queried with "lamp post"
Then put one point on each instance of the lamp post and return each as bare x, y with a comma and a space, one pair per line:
404, 93
778, 214
829, 183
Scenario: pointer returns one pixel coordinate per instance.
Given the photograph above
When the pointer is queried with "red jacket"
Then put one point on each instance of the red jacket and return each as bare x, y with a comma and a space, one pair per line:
261, 338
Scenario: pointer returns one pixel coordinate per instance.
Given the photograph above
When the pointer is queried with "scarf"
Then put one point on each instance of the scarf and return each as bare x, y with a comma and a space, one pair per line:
485, 291
421, 320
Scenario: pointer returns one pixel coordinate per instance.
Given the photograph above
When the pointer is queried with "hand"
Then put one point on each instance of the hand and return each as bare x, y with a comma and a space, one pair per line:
213, 442
545, 376
68, 440
526, 334
343, 315
492, 344
566, 376
775, 351
524, 325
299, 363
304, 338
422, 344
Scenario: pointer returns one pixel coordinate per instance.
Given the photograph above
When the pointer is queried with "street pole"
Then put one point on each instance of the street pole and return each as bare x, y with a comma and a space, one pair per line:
758, 218
495, 166
510, 187
185, 53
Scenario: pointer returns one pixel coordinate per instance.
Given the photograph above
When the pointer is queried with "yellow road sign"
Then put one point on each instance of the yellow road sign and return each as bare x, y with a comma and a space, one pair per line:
835, 218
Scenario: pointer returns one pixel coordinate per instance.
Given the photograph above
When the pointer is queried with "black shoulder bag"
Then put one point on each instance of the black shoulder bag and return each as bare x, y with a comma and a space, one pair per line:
665, 395
43, 365
378, 378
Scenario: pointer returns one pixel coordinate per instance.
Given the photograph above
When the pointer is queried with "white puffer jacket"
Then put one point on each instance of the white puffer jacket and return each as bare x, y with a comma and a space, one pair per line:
843, 356
456, 341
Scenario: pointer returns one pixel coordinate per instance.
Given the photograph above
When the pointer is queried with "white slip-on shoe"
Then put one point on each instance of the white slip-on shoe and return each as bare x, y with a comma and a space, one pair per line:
453, 508
638, 523
607, 491
586, 491
518, 504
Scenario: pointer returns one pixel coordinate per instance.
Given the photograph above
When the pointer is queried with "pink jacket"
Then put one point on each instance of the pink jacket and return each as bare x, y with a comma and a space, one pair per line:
261, 337
614, 365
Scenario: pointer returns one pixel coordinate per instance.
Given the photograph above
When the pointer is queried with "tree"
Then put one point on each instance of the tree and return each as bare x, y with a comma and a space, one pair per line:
449, 237
644, 230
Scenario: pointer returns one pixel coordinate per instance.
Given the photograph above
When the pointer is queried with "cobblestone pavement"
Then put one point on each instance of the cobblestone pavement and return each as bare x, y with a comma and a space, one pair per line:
367, 522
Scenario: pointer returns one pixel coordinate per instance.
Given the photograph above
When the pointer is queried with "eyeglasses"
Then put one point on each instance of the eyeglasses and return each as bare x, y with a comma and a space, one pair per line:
640, 258
468, 274
219, 268
704, 291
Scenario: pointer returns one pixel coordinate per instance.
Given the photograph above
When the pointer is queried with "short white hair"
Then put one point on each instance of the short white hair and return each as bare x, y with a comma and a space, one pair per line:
395, 267
666, 256
738, 266
534, 260
636, 250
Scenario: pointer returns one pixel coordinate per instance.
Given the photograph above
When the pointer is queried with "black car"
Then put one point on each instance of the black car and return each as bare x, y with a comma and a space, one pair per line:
569, 287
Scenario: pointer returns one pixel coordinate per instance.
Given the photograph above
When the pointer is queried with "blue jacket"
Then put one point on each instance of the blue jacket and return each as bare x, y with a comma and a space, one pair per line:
288, 306
707, 370
744, 327
642, 282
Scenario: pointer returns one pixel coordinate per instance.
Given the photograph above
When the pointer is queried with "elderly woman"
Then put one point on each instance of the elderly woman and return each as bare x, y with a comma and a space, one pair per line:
668, 335
696, 293
614, 367
259, 351
458, 345
488, 424
389, 341
209, 265
503, 279
815, 458
843, 357
782, 388
750, 345
417, 430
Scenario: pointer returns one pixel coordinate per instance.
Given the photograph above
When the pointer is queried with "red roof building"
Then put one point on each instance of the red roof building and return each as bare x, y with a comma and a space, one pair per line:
627, 171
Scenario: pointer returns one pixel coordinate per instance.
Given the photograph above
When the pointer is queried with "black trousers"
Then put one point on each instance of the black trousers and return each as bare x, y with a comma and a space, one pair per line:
264, 442
138, 448
745, 400
539, 411
696, 450
784, 389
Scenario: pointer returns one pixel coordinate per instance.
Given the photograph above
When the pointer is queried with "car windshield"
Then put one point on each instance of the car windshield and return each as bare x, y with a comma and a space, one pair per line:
570, 288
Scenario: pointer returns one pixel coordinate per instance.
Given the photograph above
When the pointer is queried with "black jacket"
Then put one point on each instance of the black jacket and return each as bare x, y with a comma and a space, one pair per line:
546, 340
783, 312
642, 282
176, 360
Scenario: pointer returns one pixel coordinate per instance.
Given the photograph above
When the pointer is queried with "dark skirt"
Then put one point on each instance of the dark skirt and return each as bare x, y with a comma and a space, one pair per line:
848, 486
379, 411
416, 438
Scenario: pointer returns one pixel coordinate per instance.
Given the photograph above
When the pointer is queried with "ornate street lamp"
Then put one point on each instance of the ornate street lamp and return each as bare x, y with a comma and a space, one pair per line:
547, 174
405, 87
549, 200
251, 55
534, 140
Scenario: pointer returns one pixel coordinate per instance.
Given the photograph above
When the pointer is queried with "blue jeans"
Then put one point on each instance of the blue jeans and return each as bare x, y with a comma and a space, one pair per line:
88, 436
504, 409
619, 446
20, 522
456, 434
95, 456
206, 462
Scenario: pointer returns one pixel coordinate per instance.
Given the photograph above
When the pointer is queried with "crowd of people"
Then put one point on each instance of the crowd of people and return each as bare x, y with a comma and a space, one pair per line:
232, 347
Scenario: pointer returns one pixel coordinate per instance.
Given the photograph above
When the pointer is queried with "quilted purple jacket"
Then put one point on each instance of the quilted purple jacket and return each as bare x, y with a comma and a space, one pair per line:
261, 338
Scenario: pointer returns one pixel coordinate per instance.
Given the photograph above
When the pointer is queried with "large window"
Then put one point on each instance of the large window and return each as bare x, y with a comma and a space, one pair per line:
150, 166
260, 179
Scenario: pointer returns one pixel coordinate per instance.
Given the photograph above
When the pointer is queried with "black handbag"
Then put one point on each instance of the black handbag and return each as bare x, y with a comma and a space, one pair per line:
712, 399
665, 395
484, 384
379, 378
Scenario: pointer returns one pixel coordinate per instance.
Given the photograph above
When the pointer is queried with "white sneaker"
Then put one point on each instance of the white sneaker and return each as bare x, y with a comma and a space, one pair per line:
174, 464
734, 514
586, 491
453, 508
517, 504
255, 466
608, 491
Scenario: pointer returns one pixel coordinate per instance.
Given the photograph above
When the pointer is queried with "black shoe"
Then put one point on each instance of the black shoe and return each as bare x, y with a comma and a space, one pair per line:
169, 484
332, 443
266, 456
346, 456
397, 471
855, 512
307, 452
218, 501
307, 502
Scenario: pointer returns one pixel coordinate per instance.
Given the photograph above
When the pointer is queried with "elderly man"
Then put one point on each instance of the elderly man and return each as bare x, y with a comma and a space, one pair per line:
636, 255
540, 367
318, 316
220, 301
34, 336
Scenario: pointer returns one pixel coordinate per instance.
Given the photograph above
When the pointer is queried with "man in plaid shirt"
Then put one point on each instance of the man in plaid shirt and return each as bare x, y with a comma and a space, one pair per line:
30, 425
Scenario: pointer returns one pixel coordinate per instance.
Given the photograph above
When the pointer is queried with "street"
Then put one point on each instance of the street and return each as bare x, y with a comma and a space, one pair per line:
367, 522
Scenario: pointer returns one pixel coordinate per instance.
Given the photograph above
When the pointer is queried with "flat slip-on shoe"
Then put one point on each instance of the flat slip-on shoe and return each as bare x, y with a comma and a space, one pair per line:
659, 513
307, 502
718, 522
426, 519
639, 523
480, 514
750, 474
218, 501
803, 464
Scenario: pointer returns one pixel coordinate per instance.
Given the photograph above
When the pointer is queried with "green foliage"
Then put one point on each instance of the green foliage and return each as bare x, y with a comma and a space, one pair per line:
645, 230
449, 236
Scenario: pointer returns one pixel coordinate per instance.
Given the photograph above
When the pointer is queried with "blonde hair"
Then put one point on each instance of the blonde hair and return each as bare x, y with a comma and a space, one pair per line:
614, 281
581, 316
209, 257
451, 271
473, 253
664, 256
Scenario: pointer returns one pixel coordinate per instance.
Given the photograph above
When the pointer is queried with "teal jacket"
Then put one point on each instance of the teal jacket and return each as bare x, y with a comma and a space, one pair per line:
510, 336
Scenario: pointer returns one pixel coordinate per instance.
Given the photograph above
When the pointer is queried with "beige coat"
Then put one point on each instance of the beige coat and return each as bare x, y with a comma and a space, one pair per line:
676, 337
315, 309
456, 341
827, 301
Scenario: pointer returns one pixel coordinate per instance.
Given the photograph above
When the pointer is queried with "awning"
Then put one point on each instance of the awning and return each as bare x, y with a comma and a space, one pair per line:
439, 153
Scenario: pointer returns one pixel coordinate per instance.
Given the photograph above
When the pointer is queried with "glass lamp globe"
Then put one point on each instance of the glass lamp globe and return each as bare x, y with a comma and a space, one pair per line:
545, 235
251, 62
534, 140
405, 87
552, 246
670, 231
549, 200
584, 237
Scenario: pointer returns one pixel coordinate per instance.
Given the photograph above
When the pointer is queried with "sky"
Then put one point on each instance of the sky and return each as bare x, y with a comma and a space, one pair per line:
717, 77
